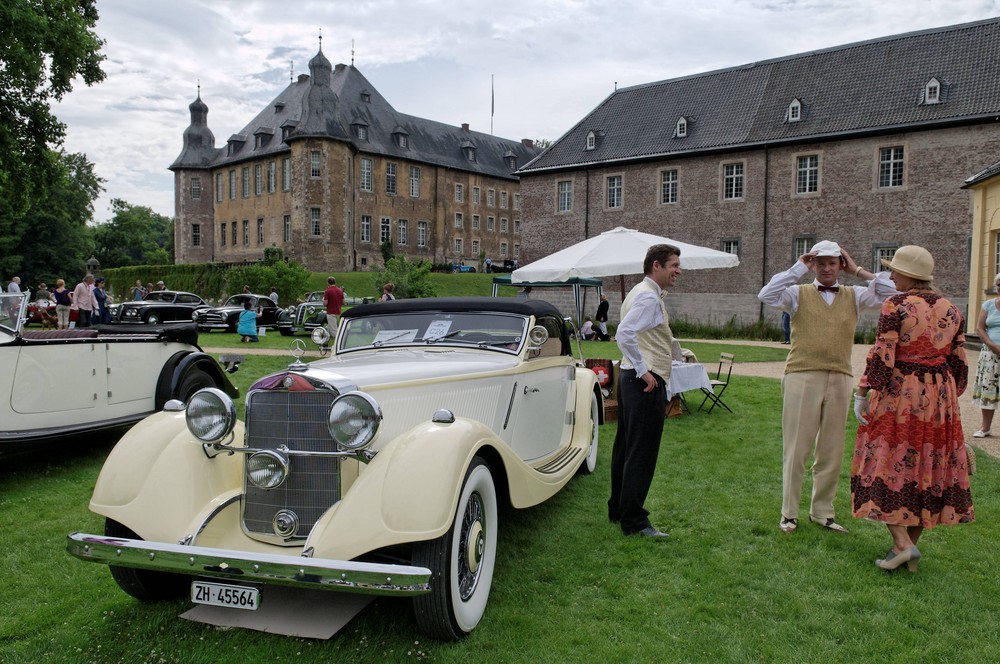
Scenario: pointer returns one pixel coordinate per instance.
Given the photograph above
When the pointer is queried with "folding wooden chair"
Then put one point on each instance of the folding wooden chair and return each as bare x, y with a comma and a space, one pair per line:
726, 365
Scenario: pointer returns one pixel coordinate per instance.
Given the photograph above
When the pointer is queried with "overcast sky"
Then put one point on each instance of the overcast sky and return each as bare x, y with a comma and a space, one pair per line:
552, 60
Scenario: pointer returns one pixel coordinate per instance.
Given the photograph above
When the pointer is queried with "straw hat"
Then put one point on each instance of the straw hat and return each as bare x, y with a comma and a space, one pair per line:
912, 261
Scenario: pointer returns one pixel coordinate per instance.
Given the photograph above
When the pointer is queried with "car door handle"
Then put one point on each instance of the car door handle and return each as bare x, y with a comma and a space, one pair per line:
530, 389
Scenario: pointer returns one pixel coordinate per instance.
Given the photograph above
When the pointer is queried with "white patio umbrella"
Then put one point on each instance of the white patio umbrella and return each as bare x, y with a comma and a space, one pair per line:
616, 252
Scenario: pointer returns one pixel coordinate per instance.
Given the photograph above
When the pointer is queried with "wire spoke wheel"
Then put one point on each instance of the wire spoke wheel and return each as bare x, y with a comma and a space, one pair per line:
461, 561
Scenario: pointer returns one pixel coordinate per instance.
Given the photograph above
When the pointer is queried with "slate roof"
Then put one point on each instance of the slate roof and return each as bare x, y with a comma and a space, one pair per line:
316, 110
875, 86
982, 176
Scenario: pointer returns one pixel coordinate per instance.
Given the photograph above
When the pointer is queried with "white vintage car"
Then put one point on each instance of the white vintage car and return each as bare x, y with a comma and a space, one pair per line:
379, 470
59, 383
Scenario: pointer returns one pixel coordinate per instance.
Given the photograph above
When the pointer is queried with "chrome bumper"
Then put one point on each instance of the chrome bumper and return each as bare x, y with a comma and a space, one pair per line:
297, 571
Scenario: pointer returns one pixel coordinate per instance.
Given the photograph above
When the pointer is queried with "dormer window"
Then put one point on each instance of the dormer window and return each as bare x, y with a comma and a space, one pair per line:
591, 140
262, 137
681, 130
932, 92
469, 150
794, 111
278, 106
401, 138
366, 97
234, 144
511, 162
360, 131
287, 128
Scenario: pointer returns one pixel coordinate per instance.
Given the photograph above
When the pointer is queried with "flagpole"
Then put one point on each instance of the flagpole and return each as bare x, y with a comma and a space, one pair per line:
492, 104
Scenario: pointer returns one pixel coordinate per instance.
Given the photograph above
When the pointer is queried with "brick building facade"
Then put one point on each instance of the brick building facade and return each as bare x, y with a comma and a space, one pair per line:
867, 144
329, 170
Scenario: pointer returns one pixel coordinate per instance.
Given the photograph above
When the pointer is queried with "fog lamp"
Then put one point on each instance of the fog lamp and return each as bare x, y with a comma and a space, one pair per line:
267, 469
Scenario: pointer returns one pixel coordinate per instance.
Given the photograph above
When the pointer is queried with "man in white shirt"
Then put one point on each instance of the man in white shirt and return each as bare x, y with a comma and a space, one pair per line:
14, 286
816, 388
83, 301
645, 339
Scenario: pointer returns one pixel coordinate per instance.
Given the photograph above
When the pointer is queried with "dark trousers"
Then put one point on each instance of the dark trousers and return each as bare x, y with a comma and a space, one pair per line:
83, 318
637, 444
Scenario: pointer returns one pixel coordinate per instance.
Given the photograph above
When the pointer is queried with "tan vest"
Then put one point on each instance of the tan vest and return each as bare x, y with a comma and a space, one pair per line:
655, 343
823, 334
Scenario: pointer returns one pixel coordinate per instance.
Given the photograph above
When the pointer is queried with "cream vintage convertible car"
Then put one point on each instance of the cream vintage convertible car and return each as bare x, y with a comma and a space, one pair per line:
61, 383
379, 470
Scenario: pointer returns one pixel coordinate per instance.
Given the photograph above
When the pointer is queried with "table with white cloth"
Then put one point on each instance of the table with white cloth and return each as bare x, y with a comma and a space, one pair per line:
687, 376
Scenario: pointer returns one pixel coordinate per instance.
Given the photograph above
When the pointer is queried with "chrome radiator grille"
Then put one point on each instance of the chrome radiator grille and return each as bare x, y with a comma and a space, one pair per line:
297, 420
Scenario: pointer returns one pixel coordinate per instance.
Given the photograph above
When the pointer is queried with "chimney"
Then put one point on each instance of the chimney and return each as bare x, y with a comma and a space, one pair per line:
465, 127
528, 143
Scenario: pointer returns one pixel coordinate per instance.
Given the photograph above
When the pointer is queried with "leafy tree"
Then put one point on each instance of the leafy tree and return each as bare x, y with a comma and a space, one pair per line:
135, 235
50, 239
44, 46
386, 249
409, 278
289, 278
542, 143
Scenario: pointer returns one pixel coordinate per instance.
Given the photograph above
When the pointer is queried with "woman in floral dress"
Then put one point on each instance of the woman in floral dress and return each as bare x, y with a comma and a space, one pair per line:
986, 389
910, 466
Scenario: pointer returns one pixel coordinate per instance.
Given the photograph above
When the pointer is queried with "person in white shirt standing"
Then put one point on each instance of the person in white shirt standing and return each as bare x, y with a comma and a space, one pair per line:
816, 388
645, 339
83, 300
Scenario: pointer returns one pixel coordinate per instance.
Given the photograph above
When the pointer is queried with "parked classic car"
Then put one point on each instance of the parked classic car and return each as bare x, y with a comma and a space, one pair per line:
34, 314
305, 316
160, 307
227, 316
379, 470
65, 382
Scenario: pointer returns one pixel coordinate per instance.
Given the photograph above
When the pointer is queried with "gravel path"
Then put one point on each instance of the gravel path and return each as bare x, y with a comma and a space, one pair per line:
970, 414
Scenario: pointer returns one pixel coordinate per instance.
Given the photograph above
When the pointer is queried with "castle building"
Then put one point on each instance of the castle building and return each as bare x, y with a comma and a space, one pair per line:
329, 170
868, 144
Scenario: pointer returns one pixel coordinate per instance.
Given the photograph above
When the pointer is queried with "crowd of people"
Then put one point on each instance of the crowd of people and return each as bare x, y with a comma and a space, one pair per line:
89, 299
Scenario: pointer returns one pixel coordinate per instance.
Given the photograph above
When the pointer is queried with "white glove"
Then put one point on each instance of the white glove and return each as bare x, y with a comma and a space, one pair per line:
861, 408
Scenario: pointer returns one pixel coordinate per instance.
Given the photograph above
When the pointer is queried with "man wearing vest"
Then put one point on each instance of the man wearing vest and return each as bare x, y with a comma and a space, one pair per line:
644, 338
816, 388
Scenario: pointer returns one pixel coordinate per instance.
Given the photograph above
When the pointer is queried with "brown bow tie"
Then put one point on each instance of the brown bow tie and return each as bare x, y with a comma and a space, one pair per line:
828, 289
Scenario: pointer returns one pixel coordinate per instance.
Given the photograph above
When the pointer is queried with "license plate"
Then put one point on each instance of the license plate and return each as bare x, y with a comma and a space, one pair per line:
220, 594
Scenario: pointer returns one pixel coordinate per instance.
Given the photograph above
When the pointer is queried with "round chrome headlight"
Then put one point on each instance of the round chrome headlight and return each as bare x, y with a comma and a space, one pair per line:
320, 336
538, 335
210, 414
354, 420
267, 469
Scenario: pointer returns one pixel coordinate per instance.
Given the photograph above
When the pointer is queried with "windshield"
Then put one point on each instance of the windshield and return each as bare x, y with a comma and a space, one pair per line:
12, 306
494, 331
238, 300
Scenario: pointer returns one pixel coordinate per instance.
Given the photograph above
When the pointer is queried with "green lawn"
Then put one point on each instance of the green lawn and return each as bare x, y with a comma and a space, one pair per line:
727, 587
362, 284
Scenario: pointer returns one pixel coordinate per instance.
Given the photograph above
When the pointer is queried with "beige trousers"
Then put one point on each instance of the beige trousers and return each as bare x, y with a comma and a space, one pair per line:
332, 321
813, 421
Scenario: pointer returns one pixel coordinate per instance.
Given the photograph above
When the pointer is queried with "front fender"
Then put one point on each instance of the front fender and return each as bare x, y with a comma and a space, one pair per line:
157, 479
175, 369
407, 493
